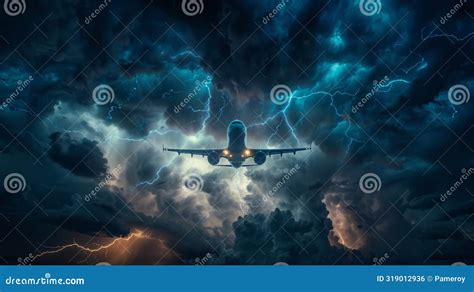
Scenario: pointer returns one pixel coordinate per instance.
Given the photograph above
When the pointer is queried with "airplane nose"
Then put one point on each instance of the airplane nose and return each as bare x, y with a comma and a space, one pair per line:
236, 164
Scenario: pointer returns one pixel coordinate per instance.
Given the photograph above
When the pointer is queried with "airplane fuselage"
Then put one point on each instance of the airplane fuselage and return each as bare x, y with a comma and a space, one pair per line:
236, 151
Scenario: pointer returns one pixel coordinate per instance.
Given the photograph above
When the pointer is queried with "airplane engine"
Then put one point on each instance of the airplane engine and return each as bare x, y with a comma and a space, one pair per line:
260, 158
213, 158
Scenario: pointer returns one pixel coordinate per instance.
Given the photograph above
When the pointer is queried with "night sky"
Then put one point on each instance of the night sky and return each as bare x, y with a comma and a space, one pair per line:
90, 92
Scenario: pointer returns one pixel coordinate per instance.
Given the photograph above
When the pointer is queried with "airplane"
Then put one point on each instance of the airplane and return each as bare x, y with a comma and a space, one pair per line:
237, 151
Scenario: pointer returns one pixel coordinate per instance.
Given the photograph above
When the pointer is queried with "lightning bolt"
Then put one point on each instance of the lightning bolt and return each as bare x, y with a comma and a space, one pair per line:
207, 110
452, 36
111, 110
132, 236
422, 64
150, 133
157, 175
345, 121
391, 82
184, 53
283, 113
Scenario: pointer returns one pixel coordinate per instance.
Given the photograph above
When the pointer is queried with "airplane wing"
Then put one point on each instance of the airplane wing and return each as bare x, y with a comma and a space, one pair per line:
270, 152
243, 165
192, 152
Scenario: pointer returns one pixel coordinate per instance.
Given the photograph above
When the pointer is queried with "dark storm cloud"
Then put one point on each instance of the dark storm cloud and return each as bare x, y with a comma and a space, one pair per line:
408, 133
83, 158
278, 237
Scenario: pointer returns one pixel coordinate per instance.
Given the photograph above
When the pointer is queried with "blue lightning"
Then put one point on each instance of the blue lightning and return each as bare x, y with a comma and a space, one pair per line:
150, 133
454, 112
345, 119
157, 175
420, 65
283, 113
207, 110
390, 83
111, 110
451, 36
185, 53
